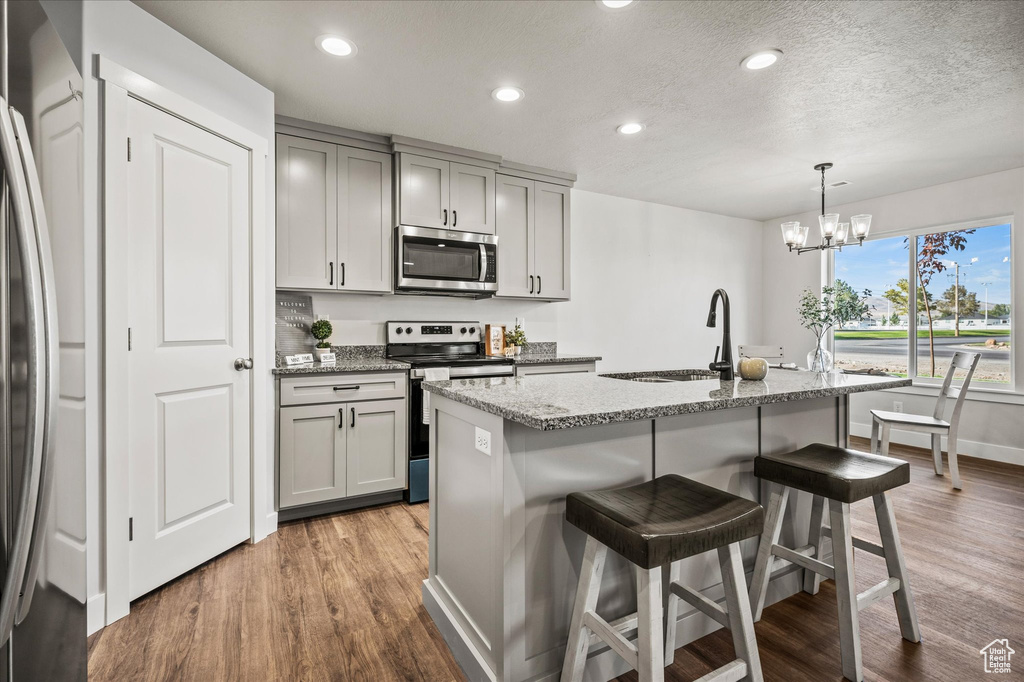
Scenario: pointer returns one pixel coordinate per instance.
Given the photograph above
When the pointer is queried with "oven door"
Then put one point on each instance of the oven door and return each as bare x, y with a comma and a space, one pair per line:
439, 260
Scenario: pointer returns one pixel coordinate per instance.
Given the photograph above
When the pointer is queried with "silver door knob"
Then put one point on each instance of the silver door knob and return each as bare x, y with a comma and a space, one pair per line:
242, 364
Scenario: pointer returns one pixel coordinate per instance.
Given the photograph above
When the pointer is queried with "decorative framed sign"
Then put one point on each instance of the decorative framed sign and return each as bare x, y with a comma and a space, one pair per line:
494, 339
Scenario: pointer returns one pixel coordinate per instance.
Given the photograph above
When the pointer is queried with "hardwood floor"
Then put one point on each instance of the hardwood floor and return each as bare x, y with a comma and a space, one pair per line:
338, 598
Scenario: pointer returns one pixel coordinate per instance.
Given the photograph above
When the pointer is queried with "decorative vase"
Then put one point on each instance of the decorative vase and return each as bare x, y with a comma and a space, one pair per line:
519, 349
820, 359
320, 352
753, 369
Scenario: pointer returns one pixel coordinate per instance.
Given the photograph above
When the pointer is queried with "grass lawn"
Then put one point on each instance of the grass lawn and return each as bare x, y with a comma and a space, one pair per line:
921, 333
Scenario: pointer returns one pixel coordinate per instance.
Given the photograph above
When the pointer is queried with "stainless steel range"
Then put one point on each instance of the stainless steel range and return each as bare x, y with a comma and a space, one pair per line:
451, 350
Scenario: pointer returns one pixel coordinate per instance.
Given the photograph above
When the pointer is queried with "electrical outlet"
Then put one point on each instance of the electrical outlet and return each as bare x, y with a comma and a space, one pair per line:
897, 406
483, 441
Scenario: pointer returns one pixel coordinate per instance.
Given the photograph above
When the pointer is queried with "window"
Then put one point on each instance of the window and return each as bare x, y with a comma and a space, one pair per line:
951, 289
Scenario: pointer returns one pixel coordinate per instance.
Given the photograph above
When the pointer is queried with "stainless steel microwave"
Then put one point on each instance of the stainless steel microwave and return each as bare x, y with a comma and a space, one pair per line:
431, 261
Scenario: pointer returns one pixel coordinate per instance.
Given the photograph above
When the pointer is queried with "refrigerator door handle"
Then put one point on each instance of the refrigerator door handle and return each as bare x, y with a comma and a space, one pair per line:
50, 360
25, 514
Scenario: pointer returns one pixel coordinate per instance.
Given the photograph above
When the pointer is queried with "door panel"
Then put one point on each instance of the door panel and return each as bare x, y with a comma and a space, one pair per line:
307, 213
364, 220
189, 312
472, 199
313, 467
424, 191
376, 447
515, 228
551, 248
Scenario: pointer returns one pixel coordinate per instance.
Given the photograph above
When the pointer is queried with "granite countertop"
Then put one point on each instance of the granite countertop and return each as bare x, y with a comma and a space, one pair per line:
349, 359
567, 401
553, 358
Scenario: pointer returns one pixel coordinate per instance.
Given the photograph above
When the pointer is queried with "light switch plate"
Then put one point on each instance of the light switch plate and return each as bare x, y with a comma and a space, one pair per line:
483, 441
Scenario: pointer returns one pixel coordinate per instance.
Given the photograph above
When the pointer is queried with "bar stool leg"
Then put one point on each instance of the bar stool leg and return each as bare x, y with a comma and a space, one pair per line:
650, 663
937, 452
954, 468
675, 573
903, 597
874, 435
846, 590
778, 496
587, 591
811, 579
741, 624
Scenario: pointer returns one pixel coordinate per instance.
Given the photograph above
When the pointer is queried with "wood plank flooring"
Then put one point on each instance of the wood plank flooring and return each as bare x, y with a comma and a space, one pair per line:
338, 598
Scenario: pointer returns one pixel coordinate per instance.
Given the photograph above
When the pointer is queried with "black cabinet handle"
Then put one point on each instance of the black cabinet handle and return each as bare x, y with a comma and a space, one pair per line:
531, 284
445, 217
353, 417
342, 274
539, 285
347, 388
455, 217
330, 281
341, 417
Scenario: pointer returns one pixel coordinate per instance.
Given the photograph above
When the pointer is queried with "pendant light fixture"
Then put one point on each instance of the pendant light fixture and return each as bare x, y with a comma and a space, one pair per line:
834, 234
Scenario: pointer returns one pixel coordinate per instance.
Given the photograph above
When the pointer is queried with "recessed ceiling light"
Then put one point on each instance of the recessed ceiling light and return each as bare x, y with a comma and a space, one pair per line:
507, 93
630, 128
761, 60
613, 4
336, 46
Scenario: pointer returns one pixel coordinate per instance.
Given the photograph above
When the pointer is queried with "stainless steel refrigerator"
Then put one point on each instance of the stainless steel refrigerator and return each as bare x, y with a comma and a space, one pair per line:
42, 480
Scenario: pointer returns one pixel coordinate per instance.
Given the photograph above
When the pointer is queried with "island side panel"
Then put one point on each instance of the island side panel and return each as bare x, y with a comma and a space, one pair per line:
545, 552
717, 449
466, 532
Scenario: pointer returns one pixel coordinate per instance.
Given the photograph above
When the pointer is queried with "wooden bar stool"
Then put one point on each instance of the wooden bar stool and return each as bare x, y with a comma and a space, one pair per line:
842, 477
653, 524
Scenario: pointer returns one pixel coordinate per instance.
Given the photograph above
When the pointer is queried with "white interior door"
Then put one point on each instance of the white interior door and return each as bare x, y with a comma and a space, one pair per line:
189, 309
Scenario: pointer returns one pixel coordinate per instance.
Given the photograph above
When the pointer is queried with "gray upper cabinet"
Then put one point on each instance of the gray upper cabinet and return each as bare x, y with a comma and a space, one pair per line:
445, 195
533, 239
333, 217
307, 213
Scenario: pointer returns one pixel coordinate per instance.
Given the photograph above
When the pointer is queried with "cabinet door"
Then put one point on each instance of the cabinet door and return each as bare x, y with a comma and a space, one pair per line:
364, 220
515, 227
551, 244
472, 199
313, 463
423, 195
376, 446
307, 213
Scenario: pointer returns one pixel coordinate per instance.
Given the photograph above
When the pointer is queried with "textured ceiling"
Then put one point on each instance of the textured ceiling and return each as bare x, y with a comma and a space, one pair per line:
899, 95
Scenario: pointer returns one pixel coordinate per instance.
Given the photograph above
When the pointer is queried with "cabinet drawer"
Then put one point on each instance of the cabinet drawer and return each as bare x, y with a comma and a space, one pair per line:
336, 388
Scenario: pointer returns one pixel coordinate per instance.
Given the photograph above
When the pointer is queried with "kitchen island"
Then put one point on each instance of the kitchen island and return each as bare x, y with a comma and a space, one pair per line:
506, 451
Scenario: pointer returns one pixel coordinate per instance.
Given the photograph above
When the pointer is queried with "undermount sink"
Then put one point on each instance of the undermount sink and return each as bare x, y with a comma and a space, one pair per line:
664, 377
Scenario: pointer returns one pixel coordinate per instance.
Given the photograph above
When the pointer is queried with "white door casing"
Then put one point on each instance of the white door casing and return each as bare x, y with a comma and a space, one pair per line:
188, 216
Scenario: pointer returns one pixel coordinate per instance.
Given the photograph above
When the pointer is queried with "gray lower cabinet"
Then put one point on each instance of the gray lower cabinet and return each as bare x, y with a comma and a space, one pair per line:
336, 450
556, 368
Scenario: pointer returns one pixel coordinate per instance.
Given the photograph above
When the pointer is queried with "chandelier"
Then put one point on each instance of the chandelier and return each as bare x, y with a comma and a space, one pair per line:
834, 234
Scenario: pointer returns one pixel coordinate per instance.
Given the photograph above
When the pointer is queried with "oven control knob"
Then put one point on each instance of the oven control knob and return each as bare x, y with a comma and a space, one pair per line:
462, 331
408, 330
399, 330
472, 330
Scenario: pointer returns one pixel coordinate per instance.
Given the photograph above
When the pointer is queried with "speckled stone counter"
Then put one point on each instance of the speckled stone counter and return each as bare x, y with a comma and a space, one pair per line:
349, 359
553, 358
569, 401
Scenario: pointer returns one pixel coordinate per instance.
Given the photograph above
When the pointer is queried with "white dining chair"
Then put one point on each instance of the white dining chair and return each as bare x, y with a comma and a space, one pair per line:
882, 421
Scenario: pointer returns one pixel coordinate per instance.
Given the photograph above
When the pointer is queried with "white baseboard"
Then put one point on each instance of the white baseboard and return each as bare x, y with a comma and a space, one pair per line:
96, 612
271, 522
971, 448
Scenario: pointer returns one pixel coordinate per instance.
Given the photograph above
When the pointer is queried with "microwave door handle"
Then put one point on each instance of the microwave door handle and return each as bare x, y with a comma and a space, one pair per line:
483, 263
24, 519
51, 363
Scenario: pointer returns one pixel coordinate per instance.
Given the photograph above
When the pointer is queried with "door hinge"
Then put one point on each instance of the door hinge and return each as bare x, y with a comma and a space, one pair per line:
129, 149
131, 528
129, 338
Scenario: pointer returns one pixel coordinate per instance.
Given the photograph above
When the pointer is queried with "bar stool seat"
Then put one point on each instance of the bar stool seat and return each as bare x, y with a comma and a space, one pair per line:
654, 524
664, 520
834, 473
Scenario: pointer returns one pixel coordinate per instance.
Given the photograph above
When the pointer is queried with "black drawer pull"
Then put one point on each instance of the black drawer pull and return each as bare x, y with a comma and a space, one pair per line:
347, 388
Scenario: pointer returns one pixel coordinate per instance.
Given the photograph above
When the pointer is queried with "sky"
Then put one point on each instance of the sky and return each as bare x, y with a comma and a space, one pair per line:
879, 263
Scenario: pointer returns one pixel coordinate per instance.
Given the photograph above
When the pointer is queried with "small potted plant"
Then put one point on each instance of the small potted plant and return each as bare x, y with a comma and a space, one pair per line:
515, 338
321, 331
836, 306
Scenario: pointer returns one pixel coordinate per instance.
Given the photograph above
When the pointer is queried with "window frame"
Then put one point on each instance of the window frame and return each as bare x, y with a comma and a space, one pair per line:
934, 383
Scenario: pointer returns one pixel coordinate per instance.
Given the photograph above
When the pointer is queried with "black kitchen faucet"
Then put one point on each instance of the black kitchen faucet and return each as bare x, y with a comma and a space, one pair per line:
724, 368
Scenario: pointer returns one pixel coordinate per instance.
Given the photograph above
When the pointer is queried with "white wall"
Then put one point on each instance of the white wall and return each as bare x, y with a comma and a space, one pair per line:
989, 429
642, 280
124, 33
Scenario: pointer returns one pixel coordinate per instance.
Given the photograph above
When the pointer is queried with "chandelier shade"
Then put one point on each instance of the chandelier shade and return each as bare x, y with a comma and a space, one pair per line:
834, 234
